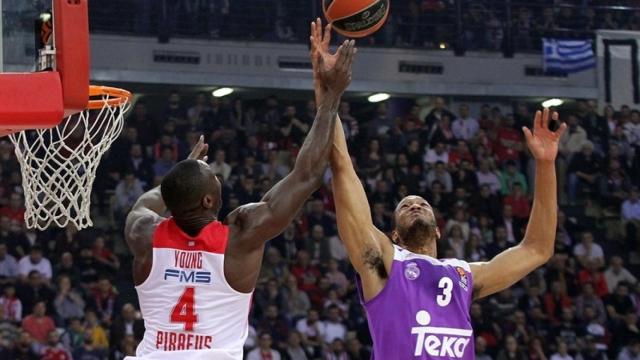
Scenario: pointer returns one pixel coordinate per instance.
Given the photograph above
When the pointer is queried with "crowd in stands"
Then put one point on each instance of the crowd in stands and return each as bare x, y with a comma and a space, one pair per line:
68, 294
422, 23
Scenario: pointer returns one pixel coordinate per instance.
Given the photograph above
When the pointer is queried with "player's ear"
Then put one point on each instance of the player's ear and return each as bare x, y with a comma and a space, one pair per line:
438, 235
208, 202
394, 236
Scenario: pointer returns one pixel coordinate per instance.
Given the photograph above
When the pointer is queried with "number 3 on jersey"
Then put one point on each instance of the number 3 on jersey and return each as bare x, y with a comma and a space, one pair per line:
446, 285
184, 311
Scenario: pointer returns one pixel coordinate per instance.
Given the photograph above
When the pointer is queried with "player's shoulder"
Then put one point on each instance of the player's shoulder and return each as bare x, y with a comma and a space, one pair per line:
457, 263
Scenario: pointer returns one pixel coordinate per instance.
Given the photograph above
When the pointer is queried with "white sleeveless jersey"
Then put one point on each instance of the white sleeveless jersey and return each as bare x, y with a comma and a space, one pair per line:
189, 309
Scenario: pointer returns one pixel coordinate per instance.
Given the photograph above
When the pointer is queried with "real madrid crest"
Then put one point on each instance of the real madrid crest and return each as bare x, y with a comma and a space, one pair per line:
411, 271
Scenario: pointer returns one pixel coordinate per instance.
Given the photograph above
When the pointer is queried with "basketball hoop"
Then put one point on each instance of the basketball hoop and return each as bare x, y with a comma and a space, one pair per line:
59, 164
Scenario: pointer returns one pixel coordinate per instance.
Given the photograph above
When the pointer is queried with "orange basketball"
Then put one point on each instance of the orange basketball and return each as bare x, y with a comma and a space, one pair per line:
356, 18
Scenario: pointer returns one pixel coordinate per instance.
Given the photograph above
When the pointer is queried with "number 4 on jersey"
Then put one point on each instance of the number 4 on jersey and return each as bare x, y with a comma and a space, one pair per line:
184, 312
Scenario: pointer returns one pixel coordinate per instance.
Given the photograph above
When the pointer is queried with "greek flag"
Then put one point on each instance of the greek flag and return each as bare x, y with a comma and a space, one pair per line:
568, 56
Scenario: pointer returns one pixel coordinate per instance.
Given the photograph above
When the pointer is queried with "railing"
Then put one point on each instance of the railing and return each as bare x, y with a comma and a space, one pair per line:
509, 26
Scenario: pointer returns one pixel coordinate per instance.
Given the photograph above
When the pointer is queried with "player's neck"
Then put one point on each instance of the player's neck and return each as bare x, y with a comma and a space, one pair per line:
425, 249
193, 225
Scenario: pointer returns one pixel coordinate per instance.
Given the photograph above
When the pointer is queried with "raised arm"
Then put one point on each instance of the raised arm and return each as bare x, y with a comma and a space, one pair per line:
253, 225
369, 250
537, 246
143, 218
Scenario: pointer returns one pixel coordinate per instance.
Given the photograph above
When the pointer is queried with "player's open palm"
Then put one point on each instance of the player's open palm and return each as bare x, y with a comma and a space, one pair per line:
320, 44
543, 142
337, 78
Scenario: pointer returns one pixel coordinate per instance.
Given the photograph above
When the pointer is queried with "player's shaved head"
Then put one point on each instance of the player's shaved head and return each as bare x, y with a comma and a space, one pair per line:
189, 188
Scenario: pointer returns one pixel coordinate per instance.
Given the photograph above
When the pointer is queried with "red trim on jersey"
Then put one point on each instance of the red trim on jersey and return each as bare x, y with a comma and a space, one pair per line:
212, 238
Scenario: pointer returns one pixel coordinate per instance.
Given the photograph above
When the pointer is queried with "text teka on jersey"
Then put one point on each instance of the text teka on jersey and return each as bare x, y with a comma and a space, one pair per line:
439, 341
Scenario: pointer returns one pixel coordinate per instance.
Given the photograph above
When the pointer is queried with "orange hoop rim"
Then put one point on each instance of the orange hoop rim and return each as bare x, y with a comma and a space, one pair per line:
112, 97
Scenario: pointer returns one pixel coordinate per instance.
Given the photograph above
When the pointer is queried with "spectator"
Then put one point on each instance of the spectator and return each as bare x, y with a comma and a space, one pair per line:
54, 350
630, 216
165, 162
298, 302
619, 303
556, 301
589, 299
591, 351
95, 334
337, 277
68, 303
357, 350
138, 164
616, 273
220, 166
88, 350
317, 245
128, 191
436, 114
508, 143
313, 330
589, 252
509, 177
295, 349
15, 210
8, 266
274, 323
104, 300
511, 350
441, 175
104, 256
334, 327
126, 324
436, 154
519, 202
584, 172
264, 349
631, 351
465, 127
486, 176
11, 305
562, 353
273, 266
337, 351
38, 324
34, 290
35, 261
73, 337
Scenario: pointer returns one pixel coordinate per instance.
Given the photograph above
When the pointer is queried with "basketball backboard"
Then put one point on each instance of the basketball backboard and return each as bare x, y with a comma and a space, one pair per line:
17, 29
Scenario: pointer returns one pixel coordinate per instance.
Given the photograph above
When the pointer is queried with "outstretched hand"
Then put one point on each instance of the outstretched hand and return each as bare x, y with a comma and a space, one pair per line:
331, 72
200, 150
542, 142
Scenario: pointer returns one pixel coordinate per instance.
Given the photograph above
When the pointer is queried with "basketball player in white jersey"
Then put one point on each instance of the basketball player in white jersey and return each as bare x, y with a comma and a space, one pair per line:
195, 275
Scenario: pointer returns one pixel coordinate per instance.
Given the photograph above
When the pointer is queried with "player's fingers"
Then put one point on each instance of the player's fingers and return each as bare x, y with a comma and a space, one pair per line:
561, 130
527, 133
313, 30
352, 55
326, 39
536, 119
342, 52
545, 118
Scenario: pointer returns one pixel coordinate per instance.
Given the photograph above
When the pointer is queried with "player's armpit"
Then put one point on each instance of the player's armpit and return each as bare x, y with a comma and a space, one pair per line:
504, 270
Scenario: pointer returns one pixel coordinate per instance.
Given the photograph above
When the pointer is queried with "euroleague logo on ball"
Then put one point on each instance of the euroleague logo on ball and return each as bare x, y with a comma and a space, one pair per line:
356, 18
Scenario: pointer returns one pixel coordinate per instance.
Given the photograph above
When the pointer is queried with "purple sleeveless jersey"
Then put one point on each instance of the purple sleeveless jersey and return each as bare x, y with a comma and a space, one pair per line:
423, 310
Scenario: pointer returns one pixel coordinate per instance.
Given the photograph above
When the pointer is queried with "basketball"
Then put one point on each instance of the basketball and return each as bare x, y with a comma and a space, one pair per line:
356, 18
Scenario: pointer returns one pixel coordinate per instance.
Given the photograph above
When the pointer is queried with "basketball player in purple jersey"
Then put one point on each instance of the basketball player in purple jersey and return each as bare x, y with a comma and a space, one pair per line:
418, 306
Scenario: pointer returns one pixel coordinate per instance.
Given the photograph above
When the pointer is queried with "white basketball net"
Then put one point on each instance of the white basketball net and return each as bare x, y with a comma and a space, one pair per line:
59, 165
